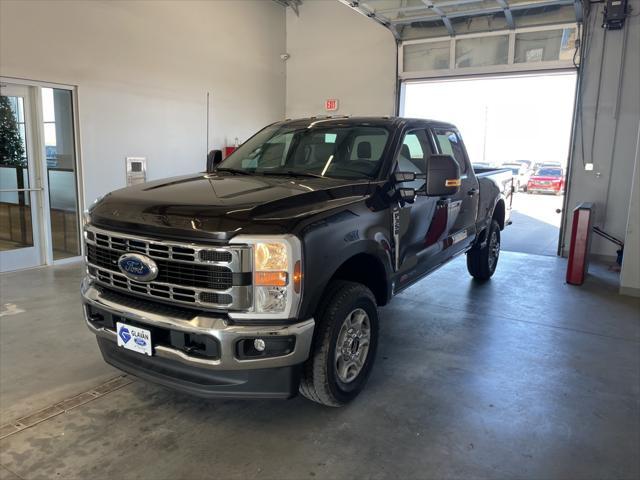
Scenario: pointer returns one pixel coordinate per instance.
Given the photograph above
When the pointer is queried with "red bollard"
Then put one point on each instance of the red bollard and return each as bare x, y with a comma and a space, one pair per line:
580, 243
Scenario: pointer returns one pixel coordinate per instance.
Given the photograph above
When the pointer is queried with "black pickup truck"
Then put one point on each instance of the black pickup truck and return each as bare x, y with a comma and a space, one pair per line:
262, 277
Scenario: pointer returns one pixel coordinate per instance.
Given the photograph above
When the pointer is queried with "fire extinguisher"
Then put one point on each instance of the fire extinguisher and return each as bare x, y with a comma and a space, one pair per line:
229, 150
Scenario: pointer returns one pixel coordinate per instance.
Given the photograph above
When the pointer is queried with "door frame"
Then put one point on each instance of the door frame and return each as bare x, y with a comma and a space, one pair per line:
40, 158
532, 73
34, 191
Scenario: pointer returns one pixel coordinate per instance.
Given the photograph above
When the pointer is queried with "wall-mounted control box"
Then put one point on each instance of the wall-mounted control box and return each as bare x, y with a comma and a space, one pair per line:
615, 12
136, 170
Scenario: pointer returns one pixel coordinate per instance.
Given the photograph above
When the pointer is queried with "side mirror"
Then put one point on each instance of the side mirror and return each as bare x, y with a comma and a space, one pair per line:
443, 176
213, 159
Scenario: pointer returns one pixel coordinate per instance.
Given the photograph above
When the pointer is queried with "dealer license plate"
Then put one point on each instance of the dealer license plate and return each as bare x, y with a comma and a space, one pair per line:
134, 338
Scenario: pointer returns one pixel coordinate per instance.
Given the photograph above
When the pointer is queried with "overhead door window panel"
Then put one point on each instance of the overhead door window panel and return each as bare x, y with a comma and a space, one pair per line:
482, 51
545, 45
427, 56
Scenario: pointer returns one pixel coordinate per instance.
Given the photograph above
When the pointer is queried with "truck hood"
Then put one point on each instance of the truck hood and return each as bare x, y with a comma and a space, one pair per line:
220, 206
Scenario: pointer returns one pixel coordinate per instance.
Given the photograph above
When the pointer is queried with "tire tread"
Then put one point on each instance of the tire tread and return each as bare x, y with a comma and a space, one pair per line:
314, 383
478, 258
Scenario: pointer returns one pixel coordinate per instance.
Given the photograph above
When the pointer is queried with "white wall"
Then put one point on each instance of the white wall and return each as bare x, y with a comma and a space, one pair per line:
613, 120
143, 69
630, 275
338, 53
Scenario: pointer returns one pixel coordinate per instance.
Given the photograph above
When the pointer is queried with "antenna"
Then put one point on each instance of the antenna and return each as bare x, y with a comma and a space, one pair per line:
207, 146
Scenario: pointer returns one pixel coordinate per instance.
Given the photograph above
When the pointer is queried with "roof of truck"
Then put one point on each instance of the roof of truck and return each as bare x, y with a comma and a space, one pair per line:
371, 121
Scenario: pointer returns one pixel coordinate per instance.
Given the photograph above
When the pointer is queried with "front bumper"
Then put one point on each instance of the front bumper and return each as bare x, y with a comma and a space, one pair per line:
551, 188
225, 374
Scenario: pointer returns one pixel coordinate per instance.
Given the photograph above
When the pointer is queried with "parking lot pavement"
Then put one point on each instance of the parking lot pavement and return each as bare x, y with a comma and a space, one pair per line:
536, 225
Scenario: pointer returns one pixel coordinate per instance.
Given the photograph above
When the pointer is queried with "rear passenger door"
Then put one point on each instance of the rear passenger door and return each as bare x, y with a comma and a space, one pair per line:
463, 207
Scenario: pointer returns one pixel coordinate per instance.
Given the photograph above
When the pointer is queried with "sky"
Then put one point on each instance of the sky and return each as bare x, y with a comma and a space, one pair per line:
525, 118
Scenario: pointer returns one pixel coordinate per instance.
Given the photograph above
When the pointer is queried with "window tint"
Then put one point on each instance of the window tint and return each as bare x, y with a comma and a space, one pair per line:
333, 151
413, 156
450, 144
368, 147
271, 154
312, 151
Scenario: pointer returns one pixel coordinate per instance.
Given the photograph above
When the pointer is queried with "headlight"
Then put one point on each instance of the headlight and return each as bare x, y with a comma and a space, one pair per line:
271, 264
277, 275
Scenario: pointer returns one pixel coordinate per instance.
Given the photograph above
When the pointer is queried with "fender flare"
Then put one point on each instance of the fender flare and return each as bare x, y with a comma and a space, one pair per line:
368, 247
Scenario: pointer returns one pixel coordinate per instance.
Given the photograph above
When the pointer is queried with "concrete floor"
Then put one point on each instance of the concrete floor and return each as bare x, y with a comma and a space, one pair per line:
536, 224
522, 377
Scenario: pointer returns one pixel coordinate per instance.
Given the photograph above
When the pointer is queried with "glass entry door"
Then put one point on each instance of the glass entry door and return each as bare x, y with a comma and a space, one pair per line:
39, 221
21, 192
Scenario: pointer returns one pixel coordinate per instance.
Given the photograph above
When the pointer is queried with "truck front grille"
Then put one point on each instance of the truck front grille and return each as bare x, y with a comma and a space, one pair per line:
190, 275
211, 277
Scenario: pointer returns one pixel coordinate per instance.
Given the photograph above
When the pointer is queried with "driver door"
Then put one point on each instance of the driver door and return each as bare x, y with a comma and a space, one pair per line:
414, 253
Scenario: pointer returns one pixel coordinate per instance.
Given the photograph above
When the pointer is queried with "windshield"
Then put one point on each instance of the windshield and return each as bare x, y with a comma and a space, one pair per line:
549, 172
353, 151
515, 169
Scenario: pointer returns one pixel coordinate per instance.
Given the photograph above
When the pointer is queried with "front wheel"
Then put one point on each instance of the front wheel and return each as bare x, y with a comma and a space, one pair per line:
482, 262
344, 346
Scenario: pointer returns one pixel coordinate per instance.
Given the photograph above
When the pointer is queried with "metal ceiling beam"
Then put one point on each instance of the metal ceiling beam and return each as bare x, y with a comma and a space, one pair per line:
445, 3
363, 9
507, 13
443, 16
484, 11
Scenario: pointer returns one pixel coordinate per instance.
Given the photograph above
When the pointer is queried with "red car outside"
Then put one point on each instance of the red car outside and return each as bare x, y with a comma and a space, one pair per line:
547, 180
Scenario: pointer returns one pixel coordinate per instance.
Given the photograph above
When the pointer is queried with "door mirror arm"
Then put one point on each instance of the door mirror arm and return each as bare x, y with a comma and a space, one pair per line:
401, 177
406, 195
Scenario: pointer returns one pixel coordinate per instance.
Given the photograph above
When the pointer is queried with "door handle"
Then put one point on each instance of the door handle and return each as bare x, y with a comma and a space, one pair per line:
472, 192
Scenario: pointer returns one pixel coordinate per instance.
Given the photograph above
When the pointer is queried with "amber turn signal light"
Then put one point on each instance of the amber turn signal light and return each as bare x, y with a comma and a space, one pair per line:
271, 279
297, 277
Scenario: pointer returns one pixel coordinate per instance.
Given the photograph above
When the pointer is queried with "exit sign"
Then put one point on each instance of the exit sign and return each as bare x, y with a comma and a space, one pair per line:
331, 105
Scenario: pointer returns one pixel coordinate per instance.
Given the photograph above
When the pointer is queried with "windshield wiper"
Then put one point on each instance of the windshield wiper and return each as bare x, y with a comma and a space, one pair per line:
290, 173
233, 170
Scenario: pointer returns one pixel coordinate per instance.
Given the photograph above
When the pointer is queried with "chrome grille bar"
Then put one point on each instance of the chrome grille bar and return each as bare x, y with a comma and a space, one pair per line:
209, 286
236, 258
235, 298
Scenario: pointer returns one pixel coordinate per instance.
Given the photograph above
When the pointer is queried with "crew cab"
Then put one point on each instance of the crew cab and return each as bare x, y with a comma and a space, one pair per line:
262, 277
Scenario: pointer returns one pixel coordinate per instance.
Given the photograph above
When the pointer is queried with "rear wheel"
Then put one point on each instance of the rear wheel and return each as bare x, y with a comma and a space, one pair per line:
344, 346
482, 261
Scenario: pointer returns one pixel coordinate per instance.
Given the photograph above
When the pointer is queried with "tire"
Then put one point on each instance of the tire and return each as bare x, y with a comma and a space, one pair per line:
343, 304
482, 262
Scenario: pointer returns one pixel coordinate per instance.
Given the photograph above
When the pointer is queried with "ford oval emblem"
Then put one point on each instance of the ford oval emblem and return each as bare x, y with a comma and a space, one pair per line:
138, 267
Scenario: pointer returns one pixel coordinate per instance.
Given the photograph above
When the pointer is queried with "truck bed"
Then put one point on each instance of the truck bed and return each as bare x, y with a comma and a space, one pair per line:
503, 179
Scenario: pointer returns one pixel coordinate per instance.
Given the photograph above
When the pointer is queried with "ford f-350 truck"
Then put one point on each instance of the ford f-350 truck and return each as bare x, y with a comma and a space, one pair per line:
262, 277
